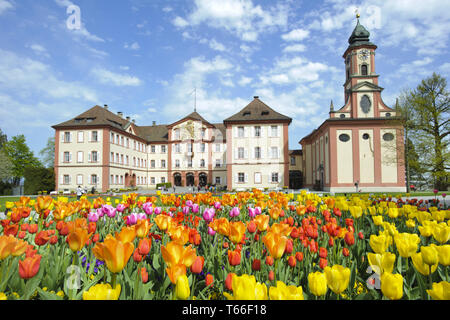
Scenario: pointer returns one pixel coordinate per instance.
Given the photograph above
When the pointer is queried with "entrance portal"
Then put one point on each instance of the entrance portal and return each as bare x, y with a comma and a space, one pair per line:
190, 179
203, 179
177, 179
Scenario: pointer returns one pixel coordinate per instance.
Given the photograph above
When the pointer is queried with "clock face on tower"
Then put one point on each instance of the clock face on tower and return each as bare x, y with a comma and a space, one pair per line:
364, 54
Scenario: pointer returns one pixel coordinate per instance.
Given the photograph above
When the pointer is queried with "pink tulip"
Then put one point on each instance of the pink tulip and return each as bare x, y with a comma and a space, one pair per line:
120, 207
189, 203
109, 210
208, 215
251, 212
235, 212
186, 210
93, 216
157, 210
195, 208
217, 205
211, 232
148, 207
133, 218
100, 212
258, 210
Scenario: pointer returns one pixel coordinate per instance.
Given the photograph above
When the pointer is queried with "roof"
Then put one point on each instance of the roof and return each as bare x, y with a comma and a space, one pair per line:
156, 133
257, 111
360, 36
192, 116
297, 152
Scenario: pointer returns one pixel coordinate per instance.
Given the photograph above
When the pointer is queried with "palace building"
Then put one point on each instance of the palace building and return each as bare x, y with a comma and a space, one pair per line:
356, 148
105, 150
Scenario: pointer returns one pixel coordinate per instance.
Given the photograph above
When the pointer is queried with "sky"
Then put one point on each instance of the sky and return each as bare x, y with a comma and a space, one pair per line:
58, 58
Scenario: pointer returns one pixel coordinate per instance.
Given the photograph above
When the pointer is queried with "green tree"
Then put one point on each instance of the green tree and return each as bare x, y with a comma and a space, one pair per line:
6, 167
48, 153
38, 179
20, 156
425, 113
3, 139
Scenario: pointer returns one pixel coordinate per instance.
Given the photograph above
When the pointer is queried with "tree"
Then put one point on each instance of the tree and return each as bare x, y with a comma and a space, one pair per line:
20, 156
425, 113
38, 179
48, 153
6, 167
3, 139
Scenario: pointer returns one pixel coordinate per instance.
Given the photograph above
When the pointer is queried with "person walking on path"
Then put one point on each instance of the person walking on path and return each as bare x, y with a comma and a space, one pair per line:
79, 192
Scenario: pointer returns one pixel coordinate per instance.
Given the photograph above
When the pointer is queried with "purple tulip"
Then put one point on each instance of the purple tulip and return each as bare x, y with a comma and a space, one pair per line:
93, 216
148, 207
134, 217
100, 212
189, 203
217, 205
251, 212
211, 232
186, 210
444, 195
195, 208
208, 215
120, 207
234, 212
157, 210
109, 210
258, 210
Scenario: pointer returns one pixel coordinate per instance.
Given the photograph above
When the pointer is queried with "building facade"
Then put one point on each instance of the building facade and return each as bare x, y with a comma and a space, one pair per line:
104, 150
359, 147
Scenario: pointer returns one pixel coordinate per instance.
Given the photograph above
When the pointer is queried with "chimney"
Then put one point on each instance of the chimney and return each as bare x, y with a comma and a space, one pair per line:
256, 97
128, 118
154, 123
106, 106
134, 121
120, 114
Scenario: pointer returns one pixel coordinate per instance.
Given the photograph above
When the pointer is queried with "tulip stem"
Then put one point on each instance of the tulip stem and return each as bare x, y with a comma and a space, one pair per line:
136, 282
113, 280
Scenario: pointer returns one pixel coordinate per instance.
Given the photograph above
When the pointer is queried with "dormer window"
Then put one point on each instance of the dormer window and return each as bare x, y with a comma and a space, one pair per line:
247, 113
265, 113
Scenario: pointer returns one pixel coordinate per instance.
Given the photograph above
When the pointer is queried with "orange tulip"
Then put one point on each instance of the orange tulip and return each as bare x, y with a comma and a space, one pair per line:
144, 246
114, 253
262, 222
29, 267
221, 225
280, 228
209, 280
275, 243
127, 234
175, 271
198, 264
178, 234
7, 246
43, 203
77, 239
234, 257
237, 231
163, 221
23, 202
174, 253
142, 228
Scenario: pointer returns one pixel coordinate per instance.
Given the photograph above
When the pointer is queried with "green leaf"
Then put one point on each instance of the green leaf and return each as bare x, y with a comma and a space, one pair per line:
44, 295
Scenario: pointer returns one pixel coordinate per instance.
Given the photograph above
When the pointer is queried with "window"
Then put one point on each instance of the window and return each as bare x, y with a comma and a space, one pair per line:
189, 147
153, 149
366, 136
388, 114
364, 70
121, 141
218, 180
112, 137
127, 159
121, 180
274, 152
274, 177
257, 153
388, 136
67, 136
152, 163
342, 116
202, 163
241, 153
217, 147
203, 133
189, 163
217, 163
117, 139
177, 134
134, 161
80, 136
121, 159
257, 131
67, 157
128, 142
94, 136
111, 157
111, 179
94, 179
163, 149
365, 104
258, 177
94, 156
292, 161
80, 156
66, 179
344, 137
177, 148
241, 132
163, 163
79, 179
202, 147
274, 131
163, 179
177, 163
152, 180
241, 177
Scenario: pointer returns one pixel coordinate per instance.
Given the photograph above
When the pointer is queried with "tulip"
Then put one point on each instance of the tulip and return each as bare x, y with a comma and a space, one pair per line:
127, 234
379, 243
410, 223
144, 246
29, 267
276, 244
299, 256
245, 287
211, 231
237, 231
144, 275
109, 210
77, 239
163, 221
182, 290
271, 275
42, 238
256, 264
234, 212
195, 208
355, 211
421, 266
186, 210
176, 271
349, 238
198, 264
158, 210
440, 291
262, 222
345, 252
317, 283
174, 253
392, 285
283, 292
258, 210
234, 257
323, 263
406, 243
114, 253
142, 228
377, 220
443, 254
102, 292
292, 262
209, 279
120, 207
208, 214
217, 205
251, 212
338, 278
229, 281
429, 255
221, 225
441, 233
381, 263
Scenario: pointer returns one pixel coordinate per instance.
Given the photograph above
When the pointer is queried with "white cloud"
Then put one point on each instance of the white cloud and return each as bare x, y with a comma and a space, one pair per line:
180, 22
295, 48
295, 35
134, 46
244, 81
116, 79
4, 6
167, 9
213, 44
39, 50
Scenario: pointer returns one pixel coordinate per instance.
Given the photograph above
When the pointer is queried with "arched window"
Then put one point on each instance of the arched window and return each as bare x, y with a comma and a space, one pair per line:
364, 69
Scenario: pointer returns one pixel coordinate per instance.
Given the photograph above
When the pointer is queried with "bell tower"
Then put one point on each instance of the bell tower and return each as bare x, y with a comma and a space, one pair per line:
361, 91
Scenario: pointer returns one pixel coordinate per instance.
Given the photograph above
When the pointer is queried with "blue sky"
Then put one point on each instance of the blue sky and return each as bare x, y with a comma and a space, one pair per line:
145, 58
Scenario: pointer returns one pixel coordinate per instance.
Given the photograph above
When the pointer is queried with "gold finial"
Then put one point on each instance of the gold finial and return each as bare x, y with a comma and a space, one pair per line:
357, 14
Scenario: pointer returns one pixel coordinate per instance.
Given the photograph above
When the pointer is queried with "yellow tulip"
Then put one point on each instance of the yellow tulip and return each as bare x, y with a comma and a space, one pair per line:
441, 232
163, 221
410, 223
379, 244
102, 292
237, 231
317, 282
421, 266
3, 296
392, 285
127, 234
174, 253
355, 211
407, 243
284, 292
443, 254
377, 220
338, 278
182, 290
438, 215
381, 263
393, 212
390, 228
440, 291
276, 244
245, 287
429, 255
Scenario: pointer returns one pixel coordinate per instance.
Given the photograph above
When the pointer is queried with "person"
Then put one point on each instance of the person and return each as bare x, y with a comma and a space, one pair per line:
93, 190
79, 192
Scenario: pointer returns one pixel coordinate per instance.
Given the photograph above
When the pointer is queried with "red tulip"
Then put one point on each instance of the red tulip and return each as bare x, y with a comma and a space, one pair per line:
144, 275
269, 261
53, 240
349, 238
42, 238
11, 230
271, 275
292, 261
256, 265
360, 235
229, 281
345, 252
299, 256
234, 257
32, 228
29, 267
198, 264
136, 256
144, 246
209, 280
323, 252
289, 246
21, 234
323, 263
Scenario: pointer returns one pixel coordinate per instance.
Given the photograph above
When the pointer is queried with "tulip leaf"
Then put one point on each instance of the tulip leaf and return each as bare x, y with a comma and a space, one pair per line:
32, 284
44, 295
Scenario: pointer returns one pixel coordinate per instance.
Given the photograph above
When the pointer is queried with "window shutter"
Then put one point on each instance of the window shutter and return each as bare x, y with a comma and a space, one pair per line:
262, 153
71, 137
90, 136
62, 157
279, 153
236, 178
62, 137
245, 132
61, 179
235, 132
245, 153
254, 153
262, 131
246, 178
269, 131
99, 157
236, 151
89, 157
70, 156
70, 179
